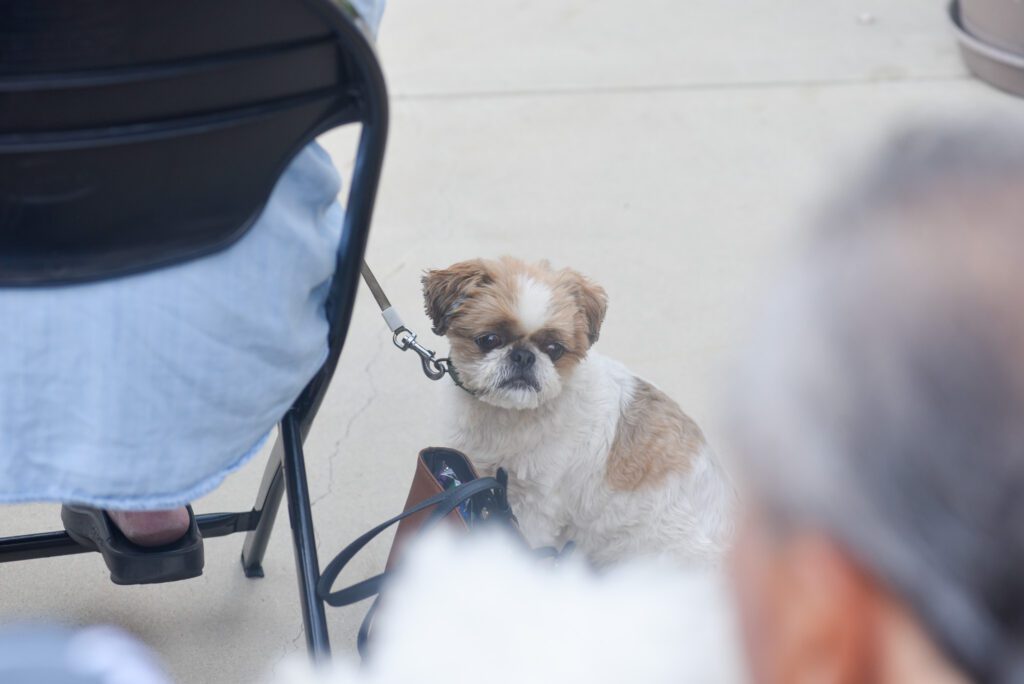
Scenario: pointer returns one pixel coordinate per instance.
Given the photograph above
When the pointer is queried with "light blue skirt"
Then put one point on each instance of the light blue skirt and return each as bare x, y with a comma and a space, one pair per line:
145, 392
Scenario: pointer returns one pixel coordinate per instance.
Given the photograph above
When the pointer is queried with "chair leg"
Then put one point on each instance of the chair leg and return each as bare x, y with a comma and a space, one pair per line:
268, 501
300, 514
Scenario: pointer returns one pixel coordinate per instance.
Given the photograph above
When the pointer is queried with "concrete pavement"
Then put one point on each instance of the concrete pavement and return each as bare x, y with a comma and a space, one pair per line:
669, 150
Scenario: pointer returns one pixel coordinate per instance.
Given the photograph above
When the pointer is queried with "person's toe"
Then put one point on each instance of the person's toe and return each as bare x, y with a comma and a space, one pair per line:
152, 528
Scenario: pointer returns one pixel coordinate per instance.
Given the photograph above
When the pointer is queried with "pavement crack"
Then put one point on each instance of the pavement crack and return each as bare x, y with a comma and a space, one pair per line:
370, 398
691, 86
289, 648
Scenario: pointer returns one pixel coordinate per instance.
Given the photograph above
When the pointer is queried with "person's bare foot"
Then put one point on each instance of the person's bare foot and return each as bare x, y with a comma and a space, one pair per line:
152, 528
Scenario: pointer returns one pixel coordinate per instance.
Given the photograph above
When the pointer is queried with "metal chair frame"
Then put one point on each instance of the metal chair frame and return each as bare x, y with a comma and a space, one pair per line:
285, 472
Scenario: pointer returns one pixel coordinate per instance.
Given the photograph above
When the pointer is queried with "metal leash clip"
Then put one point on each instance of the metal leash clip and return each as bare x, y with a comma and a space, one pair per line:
433, 368
402, 337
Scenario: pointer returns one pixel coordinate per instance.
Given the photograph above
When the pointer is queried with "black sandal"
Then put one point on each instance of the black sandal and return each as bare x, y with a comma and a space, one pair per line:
130, 563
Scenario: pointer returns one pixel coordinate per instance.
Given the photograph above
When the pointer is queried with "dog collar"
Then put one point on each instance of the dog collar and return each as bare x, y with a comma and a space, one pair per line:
455, 377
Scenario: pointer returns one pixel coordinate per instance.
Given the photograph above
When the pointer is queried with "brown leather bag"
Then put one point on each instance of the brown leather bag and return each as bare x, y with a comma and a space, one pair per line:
425, 484
445, 490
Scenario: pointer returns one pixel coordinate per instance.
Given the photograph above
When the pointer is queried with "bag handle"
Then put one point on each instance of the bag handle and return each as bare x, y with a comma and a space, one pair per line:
445, 502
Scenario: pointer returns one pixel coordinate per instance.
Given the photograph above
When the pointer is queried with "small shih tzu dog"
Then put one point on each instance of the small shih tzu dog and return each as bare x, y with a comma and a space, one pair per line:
595, 455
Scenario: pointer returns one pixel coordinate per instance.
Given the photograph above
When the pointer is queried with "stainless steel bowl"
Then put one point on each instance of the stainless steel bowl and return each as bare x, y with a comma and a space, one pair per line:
991, 35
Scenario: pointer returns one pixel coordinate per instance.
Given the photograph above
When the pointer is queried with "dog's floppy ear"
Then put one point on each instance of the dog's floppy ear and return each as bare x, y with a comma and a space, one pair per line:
446, 289
592, 300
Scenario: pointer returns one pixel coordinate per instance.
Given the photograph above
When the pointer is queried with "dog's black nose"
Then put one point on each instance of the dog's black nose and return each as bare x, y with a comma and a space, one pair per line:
522, 358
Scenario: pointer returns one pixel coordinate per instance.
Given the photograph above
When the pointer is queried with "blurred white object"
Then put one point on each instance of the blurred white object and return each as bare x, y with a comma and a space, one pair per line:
41, 654
480, 609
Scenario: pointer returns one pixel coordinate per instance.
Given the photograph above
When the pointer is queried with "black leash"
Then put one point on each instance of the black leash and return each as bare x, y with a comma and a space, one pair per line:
443, 503
405, 339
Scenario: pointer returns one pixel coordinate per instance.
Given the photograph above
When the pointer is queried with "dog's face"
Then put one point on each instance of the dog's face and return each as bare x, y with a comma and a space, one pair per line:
517, 330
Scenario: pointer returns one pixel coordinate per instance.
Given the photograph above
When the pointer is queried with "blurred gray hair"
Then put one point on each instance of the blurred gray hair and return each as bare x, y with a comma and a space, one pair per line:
883, 398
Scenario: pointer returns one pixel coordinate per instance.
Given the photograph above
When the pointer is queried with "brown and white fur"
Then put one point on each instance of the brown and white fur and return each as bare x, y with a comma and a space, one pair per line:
594, 454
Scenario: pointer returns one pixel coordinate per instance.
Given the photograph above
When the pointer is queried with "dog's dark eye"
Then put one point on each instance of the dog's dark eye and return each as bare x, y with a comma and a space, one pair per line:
488, 342
554, 350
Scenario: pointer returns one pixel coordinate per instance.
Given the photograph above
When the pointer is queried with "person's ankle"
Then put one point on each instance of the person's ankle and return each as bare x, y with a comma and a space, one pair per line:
152, 528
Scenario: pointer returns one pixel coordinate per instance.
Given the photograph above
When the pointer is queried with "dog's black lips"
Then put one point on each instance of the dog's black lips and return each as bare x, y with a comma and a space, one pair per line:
521, 383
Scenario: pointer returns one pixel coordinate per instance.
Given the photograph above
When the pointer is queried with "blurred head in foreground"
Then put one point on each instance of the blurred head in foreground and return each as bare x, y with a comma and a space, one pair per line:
879, 419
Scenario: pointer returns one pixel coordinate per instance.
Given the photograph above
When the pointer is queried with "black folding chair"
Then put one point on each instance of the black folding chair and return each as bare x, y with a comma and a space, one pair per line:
136, 134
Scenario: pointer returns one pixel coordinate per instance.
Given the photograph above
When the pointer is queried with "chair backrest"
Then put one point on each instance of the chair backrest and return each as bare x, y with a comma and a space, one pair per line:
139, 133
